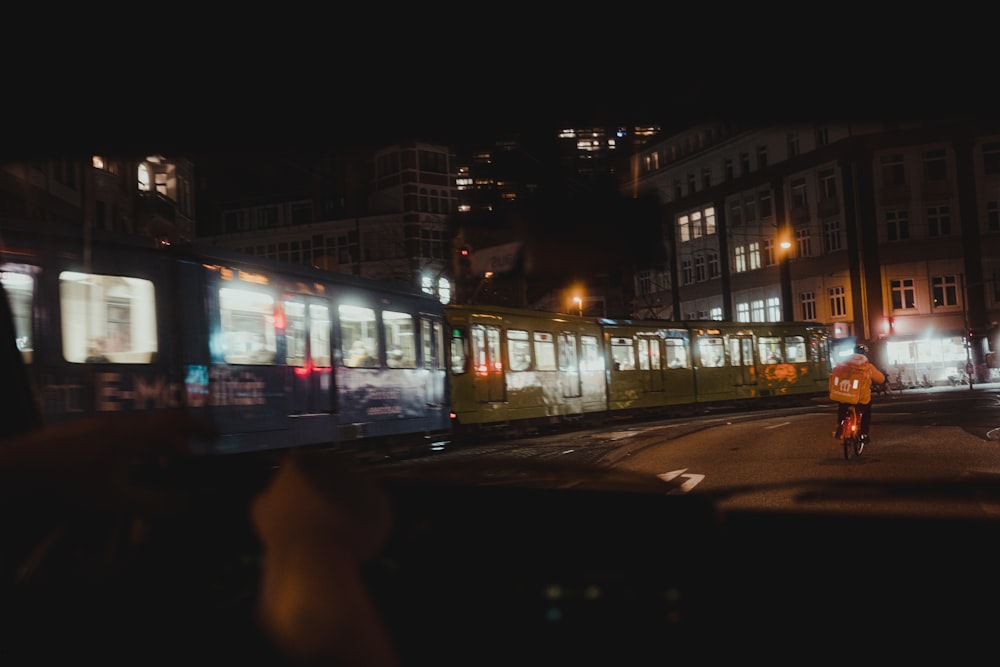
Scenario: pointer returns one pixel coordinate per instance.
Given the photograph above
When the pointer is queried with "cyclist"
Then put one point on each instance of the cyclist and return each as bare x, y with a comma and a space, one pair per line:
860, 361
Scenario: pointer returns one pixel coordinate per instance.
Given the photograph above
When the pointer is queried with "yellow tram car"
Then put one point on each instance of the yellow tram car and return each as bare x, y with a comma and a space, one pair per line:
514, 368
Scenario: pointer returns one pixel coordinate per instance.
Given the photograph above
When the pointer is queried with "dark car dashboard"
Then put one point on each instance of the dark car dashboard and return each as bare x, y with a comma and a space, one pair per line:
504, 573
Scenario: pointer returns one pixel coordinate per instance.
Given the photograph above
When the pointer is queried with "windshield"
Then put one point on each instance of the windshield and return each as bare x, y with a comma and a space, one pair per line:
602, 375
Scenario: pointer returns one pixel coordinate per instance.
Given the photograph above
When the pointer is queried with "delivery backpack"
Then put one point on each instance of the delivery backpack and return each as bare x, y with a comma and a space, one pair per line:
846, 382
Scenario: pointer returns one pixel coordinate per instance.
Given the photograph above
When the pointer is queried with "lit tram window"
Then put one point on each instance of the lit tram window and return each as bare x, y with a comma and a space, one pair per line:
19, 286
107, 319
248, 332
359, 336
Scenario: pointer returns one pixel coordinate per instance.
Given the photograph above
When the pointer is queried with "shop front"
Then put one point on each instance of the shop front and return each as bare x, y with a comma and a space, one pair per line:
936, 359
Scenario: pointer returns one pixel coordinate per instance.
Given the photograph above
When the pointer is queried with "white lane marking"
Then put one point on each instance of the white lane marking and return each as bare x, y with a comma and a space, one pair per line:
778, 425
691, 481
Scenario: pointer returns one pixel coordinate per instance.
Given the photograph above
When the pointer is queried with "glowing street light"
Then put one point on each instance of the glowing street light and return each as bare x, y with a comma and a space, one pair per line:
579, 305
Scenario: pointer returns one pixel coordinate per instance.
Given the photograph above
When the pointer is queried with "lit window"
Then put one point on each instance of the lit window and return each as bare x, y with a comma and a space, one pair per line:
143, 177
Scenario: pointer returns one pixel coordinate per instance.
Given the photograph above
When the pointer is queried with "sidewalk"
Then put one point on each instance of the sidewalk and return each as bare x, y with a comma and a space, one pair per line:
977, 386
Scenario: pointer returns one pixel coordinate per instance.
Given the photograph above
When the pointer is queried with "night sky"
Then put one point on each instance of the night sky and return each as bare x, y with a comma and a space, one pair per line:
359, 78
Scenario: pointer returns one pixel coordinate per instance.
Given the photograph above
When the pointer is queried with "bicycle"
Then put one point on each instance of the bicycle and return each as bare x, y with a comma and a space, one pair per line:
850, 428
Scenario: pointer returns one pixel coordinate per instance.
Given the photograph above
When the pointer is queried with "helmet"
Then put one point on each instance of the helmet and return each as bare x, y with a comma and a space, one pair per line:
861, 348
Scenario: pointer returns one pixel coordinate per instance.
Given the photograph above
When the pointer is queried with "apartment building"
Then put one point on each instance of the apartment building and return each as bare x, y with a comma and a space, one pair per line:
882, 233
151, 196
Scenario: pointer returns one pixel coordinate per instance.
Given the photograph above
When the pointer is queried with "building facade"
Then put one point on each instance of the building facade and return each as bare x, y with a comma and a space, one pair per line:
151, 196
885, 234
401, 232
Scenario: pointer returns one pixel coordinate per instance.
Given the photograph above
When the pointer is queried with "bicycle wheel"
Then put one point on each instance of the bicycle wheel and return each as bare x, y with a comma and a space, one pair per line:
859, 445
852, 443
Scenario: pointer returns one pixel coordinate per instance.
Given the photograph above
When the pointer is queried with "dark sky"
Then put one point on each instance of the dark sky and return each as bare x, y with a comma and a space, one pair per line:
301, 83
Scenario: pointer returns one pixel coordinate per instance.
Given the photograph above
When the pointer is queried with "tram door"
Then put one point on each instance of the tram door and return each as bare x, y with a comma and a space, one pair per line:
487, 363
432, 347
741, 356
569, 364
307, 354
650, 365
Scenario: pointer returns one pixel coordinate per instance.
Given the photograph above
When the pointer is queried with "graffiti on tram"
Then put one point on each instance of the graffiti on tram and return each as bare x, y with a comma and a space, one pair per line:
114, 392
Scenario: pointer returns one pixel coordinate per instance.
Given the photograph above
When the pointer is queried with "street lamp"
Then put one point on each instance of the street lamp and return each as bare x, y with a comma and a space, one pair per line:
579, 305
785, 276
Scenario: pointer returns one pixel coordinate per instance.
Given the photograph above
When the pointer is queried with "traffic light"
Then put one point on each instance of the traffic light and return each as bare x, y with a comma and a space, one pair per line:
462, 261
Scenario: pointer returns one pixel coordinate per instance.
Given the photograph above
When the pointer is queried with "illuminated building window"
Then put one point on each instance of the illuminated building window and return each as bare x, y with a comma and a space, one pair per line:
773, 309
683, 229
739, 259
142, 177
743, 312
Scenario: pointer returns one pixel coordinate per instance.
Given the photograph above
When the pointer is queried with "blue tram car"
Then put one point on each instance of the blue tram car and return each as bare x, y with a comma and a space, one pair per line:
274, 355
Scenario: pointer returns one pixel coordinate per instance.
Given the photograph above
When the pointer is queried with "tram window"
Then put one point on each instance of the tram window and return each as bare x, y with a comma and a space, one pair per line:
432, 343
735, 356
319, 334
486, 350
107, 319
676, 353
295, 333
590, 354
359, 336
795, 349
622, 354
400, 340
247, 319
20, 288
568, 360
438, 330
819, 349
459, 352
769, 348
545, 351
518, 350
712, 351
654, 354
643, 354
